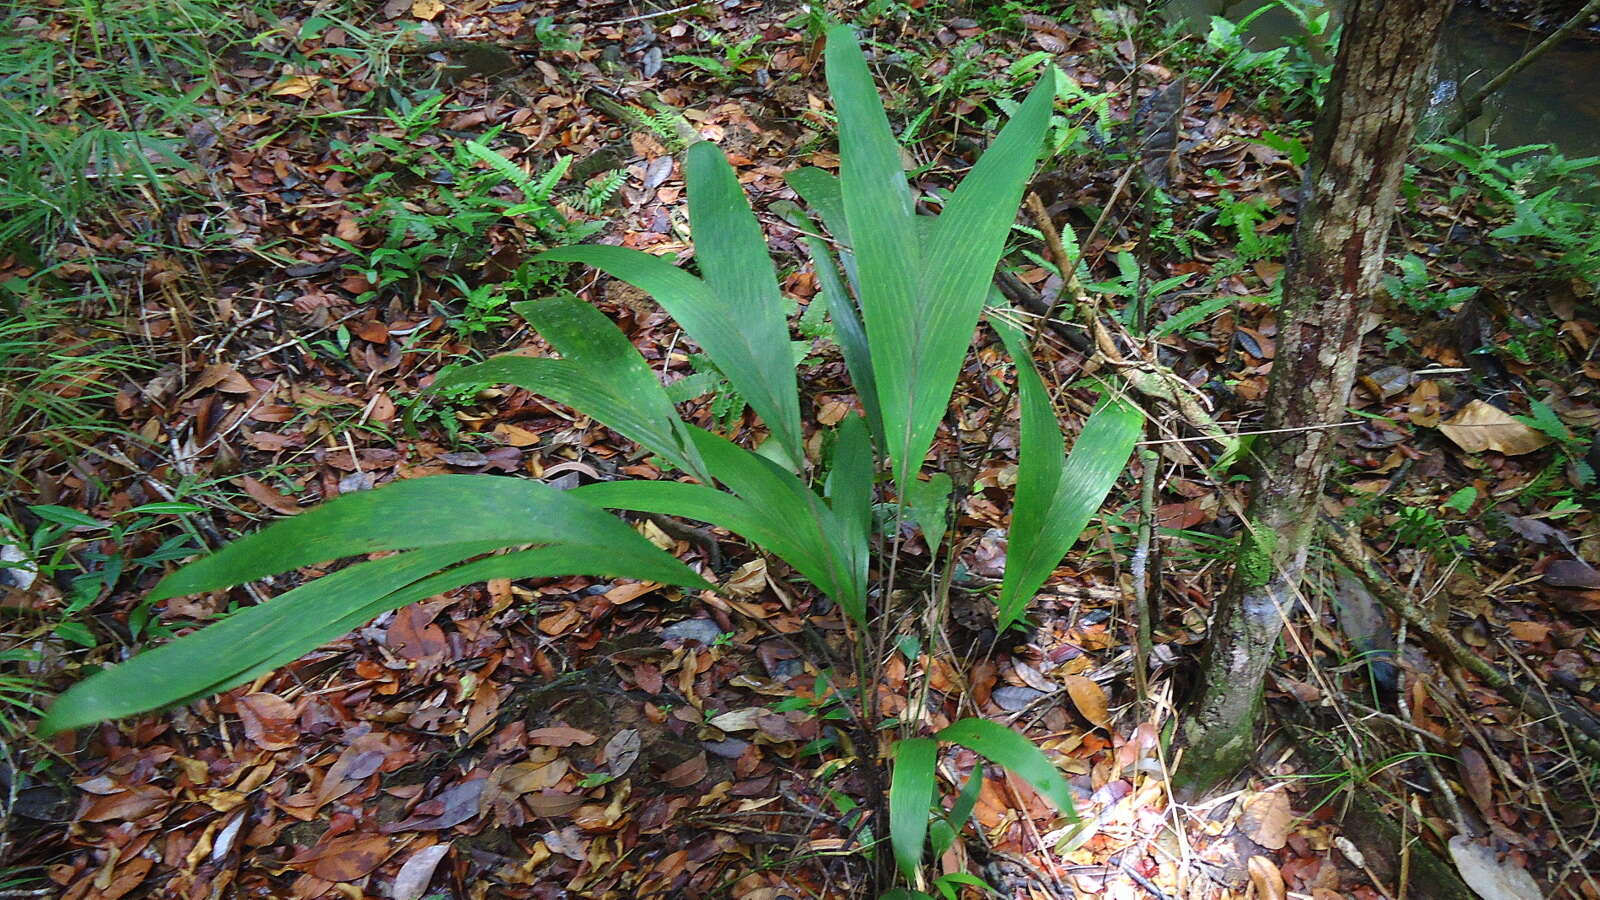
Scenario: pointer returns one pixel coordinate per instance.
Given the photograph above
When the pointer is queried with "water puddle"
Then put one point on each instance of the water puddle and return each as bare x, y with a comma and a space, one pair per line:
1553, 101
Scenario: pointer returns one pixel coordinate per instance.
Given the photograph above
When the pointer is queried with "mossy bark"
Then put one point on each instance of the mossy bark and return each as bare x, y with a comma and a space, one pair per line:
1334, 266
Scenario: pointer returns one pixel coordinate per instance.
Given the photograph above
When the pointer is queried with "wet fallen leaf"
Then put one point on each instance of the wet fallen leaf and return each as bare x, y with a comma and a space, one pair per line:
1478, 427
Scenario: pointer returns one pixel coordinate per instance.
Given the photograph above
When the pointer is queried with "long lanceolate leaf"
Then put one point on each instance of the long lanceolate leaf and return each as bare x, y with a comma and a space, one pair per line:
1055, 498
439, 521
848, 331
1006, 747
921, 289
600, 374
911, 793
735, 312
771, 507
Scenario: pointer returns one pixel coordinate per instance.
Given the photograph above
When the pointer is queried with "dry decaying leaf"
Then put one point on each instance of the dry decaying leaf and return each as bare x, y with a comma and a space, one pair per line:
1265, 818
1492, 879
1478, 427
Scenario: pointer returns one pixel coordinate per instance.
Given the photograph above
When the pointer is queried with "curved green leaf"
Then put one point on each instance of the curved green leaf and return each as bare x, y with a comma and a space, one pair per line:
429, 512
220, 655
1005, 747
600, 374
911, 793
768, 505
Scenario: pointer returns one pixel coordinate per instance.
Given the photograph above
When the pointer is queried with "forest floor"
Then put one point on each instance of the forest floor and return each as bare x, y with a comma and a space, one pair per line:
241, 318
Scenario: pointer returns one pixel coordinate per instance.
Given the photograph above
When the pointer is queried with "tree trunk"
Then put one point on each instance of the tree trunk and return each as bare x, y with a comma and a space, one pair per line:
1345, 213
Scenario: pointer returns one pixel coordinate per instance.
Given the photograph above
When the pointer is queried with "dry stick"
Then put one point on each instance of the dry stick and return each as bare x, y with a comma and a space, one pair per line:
1144, 645
1473, 107
1347, 547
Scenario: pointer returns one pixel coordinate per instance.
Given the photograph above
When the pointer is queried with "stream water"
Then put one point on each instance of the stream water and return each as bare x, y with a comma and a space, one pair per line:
1553, 101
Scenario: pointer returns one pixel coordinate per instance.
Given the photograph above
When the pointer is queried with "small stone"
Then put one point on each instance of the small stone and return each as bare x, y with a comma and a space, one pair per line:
1012, 697
703, 630
731, 748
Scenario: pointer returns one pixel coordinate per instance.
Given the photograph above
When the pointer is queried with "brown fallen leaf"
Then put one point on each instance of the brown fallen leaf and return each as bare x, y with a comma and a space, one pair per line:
126, 805
1572, 573
1478, 426
1268, 880
270, 721
560, 736
1265, 818
547, 804
686, 774
1089, 698
346, 857
1475, 776
128, 876
622, 751
268, 496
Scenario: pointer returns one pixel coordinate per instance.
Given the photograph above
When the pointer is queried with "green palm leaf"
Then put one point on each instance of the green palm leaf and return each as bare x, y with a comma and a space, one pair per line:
921, 289
735, 312
1055, 498
600, 374
440, 521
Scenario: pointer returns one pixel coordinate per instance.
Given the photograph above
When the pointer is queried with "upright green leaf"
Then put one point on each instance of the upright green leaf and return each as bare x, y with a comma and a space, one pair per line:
848, 331
849, 490
1005, 747
911, 791
735, 312
959, 813
927, 504
1055, 498
921, 289
600, 374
